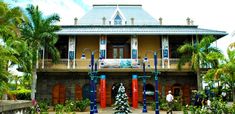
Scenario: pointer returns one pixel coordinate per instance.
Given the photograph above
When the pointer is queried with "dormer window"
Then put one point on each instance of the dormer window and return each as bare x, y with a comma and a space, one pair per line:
117, 20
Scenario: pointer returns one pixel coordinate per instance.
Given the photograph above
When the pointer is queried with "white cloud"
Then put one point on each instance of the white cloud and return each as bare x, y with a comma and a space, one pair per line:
67, 10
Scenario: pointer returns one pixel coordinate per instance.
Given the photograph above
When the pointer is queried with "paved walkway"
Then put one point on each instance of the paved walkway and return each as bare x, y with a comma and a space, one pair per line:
109, 110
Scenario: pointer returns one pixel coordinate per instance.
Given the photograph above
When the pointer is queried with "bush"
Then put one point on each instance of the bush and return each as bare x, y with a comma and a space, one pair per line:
22, 94
43, 105
59, 108
81, 105
70, 106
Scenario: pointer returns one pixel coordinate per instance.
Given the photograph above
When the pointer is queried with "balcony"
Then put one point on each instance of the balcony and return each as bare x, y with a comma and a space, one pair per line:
126, 65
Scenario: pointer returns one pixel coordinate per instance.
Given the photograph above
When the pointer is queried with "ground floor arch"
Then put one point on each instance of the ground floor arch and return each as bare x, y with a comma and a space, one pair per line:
78, 92
150, 92
114, 92
58, 94
86, 91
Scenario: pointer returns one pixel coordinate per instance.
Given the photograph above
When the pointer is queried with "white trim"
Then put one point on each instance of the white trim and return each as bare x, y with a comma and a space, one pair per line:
118, 12
165, 45
72, 40
134, 39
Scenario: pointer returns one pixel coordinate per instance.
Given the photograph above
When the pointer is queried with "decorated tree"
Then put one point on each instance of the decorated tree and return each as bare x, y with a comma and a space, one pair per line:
121, 103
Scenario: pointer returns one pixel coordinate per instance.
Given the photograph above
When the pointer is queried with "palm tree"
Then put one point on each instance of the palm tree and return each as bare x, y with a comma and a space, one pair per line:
39, 32
225, 73
10, 20
196, 55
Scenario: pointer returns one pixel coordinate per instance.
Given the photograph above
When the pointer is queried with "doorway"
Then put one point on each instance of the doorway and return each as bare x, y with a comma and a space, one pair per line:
58, 94
150, 95
114, 91
118, 47
86, 91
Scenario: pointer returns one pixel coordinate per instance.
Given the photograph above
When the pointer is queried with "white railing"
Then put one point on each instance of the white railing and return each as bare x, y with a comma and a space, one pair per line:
112, 64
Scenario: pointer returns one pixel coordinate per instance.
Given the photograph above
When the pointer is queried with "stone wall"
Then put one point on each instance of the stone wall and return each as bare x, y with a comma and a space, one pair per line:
167, 81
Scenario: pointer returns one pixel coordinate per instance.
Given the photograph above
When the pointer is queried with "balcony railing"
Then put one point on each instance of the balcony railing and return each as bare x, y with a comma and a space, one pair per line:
111, 64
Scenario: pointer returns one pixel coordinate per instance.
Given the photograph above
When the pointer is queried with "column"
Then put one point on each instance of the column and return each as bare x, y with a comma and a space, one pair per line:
165, 52
43, 56
103, 46
103, 91
71, 52
134, 47
134, 91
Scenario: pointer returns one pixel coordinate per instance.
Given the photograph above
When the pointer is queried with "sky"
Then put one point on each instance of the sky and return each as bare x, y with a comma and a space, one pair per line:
208, 14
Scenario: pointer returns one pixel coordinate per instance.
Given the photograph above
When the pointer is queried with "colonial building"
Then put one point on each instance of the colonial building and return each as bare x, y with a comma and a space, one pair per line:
121, 36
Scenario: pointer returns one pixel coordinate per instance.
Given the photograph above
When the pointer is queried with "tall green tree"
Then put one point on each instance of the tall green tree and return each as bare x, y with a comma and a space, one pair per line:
39, 32
225, 73
10, 20
196, 55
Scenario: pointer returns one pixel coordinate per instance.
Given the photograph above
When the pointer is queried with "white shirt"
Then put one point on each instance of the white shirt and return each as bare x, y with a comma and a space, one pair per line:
169, 98
208, 103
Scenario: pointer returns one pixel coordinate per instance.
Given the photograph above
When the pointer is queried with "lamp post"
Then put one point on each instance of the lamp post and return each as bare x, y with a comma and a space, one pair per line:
156, 83
92, 73
155, 72
144, 86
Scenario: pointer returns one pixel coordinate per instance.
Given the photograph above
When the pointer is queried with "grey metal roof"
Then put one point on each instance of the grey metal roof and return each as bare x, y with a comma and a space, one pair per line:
96, 14
137, 30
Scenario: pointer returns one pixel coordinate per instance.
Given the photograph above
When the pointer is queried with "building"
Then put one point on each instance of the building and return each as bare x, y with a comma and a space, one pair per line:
121, 35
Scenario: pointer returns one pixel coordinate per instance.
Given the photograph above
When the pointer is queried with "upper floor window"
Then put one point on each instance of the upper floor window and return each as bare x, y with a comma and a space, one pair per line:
117, 20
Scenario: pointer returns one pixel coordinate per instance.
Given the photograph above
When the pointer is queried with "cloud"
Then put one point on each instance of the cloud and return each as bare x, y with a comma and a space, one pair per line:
67, 10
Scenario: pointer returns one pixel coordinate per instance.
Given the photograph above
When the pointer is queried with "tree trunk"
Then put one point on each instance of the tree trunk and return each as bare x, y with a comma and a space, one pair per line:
199, 81
4, 96
233, 94
34, 82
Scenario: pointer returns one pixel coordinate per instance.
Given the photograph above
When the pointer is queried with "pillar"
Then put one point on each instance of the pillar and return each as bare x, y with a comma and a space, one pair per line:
134, 91
165, 52
71, 52
103, 46
134, 47
103, 91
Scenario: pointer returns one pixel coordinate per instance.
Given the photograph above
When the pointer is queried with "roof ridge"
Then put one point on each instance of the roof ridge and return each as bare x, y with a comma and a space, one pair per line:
117, 5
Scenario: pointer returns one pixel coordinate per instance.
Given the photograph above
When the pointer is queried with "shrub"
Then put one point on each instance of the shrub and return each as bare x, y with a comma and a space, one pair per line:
59, 108
22, 94
81, 105
70, 106
43, 105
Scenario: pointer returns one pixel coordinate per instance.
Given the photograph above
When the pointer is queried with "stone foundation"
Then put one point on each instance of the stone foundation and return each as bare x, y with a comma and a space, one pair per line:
74, 84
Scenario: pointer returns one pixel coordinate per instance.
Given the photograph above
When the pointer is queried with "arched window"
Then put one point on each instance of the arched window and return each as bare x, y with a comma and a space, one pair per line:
117, 20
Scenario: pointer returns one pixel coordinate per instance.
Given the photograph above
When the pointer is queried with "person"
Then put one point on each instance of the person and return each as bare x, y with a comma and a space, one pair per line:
169, 99
223, 94
208, 103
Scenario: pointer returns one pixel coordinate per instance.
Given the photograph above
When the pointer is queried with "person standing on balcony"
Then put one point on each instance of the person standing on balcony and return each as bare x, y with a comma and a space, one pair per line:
169, 99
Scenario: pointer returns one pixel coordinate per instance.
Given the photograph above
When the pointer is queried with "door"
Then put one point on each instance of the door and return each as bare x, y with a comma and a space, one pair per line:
118, 51
78, 92
58, 94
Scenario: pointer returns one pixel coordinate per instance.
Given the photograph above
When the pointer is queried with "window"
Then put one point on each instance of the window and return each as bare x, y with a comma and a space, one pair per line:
117, 20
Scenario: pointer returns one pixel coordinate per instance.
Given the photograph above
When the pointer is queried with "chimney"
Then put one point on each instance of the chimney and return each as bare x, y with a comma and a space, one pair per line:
160, 21
104, 19
132, 21
191, 22
75, 21
188, 21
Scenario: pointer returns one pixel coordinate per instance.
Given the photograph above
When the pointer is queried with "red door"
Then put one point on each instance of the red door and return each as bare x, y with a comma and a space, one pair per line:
78, 92
58, 94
